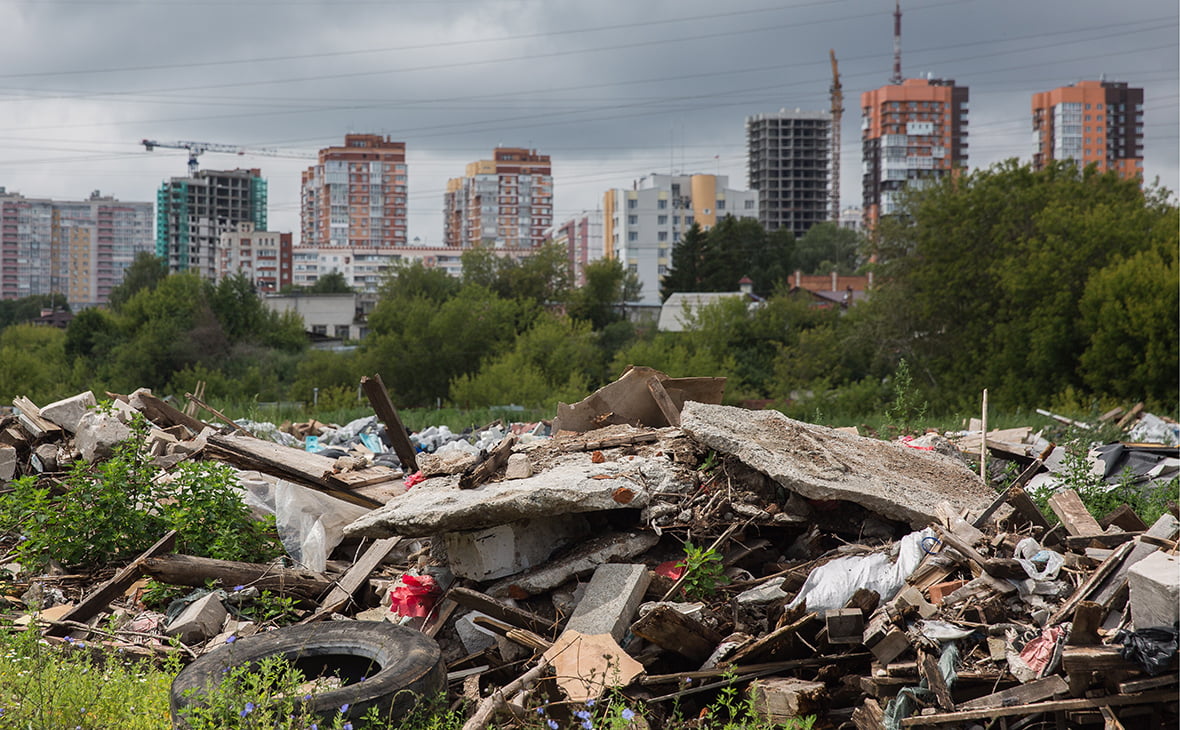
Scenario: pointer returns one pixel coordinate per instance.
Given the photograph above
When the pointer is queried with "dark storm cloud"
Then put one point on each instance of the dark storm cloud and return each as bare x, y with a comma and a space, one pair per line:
612, 90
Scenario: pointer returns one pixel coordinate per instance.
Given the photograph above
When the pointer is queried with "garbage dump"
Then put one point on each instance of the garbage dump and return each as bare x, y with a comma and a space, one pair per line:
654, 544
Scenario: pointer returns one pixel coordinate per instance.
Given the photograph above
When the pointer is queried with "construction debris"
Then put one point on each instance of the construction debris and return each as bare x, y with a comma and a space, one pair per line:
660, 545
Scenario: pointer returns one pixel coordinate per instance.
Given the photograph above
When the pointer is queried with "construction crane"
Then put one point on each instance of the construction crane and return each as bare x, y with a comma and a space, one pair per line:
195, 149
837, 93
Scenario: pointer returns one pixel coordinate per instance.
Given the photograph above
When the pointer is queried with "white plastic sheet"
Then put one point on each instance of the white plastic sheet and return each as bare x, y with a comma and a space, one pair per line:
310, 524
832, 584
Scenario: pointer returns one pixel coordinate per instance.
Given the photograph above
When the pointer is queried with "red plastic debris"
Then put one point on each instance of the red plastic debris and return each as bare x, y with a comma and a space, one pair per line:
413, 595
672, 569
413, 479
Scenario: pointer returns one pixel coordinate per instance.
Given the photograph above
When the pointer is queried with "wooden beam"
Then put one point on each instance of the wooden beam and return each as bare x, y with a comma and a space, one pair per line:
487, 468
99, 598
382, 405
343, 591
1040, 707
484, 603
666, 627
1034, 691
188, 570
664, 401
1078, 521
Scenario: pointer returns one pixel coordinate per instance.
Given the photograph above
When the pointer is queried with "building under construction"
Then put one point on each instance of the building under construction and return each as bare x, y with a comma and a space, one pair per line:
193, 212
789, 157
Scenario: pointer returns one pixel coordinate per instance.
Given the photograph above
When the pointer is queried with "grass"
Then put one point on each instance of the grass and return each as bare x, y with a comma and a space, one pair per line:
44, 687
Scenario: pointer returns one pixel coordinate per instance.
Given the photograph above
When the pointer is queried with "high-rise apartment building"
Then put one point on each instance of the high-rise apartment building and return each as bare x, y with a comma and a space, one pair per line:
193, 212
355, 196
263, 257
789, 157
581, 236
77, 248
1091, 122
504, 202
642, 225
911, 133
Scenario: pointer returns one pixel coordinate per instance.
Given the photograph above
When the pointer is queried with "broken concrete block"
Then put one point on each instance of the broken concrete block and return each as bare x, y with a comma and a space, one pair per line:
1155, 591
474, 638
611, 599
7, 463
45, 456
845, 625
911, 598
581, 561
98, 434
779, 699
68, 411
820, 463
201, 620
495, 552
518, 467
573, 484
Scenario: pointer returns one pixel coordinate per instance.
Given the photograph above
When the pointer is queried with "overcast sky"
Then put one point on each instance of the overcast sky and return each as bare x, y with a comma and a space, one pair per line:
611, 89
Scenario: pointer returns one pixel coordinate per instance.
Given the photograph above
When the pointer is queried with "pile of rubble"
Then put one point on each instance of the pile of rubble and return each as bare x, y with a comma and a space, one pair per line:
662, 546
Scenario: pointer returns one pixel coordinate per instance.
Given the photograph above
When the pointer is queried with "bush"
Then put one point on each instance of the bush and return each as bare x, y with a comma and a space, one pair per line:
120, 507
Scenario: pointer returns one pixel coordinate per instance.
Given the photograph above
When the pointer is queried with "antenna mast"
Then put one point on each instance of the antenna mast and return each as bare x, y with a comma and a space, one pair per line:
837, 93
896, 44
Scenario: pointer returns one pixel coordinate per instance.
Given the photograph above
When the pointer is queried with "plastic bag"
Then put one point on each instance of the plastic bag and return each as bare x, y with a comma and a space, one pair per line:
1152, 649
832, 584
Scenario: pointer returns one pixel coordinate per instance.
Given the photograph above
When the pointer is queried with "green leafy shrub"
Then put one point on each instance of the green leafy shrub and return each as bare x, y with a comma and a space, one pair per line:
703, 571
120, 507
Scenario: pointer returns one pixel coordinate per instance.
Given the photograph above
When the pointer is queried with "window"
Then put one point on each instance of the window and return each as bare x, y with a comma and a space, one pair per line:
662, 236
632, 220
632, 203
633, 236
342, 331
662, 220
661, 204
750, 205
720, 205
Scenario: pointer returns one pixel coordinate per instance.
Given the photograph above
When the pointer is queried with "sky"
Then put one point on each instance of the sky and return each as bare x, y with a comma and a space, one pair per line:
612, 90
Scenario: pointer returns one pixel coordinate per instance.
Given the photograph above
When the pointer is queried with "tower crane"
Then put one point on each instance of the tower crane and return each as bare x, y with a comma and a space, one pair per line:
195, 149
837, 93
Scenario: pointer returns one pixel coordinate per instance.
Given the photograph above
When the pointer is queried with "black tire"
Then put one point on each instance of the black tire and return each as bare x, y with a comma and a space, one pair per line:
400, 666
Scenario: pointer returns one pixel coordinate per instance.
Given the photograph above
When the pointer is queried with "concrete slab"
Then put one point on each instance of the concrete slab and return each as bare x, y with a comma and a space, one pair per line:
611, 599
888, 478
97, 435
571, 485
68, 411
580, 561
495, 552
7, 463
201, 620
1155, 591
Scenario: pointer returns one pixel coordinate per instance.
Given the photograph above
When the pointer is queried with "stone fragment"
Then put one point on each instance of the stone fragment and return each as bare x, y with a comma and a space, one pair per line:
474, 638
823, 464
611, 599
518, 467
581, 561
7, 463
98, 434
495, 552
768, 592
68, 411
779, 699
572, 485
200, 620
1155, 591
46, 457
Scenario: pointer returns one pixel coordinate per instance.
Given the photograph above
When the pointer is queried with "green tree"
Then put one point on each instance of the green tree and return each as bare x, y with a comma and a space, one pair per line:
981, 275
33, 364
600, 301
687, 272
826, 247
414, 280
26, 309
543, 276
332, 282
145, 272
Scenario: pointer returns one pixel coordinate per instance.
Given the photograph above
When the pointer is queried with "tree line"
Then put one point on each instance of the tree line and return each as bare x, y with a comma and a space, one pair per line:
1056, 287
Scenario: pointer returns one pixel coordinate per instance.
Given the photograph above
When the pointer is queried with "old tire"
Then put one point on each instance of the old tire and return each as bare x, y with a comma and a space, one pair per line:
399, 666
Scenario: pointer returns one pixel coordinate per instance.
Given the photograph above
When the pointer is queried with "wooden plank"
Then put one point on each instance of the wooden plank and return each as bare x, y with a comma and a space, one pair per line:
869, 715
1132, 415
1111, 586
1086, 621
382, 405
1039, 707
188, 570
1034, 691
367, 477
1124, 518
196, 400
774, 641
664, 401
164, 415
343, 591
1105, 540
484, 603
1078, 521
30, 418
98, 599
1139, 685
1026, 508
486, 469
1109, 566
928, 669
1075, 659
294, 465
666, 627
